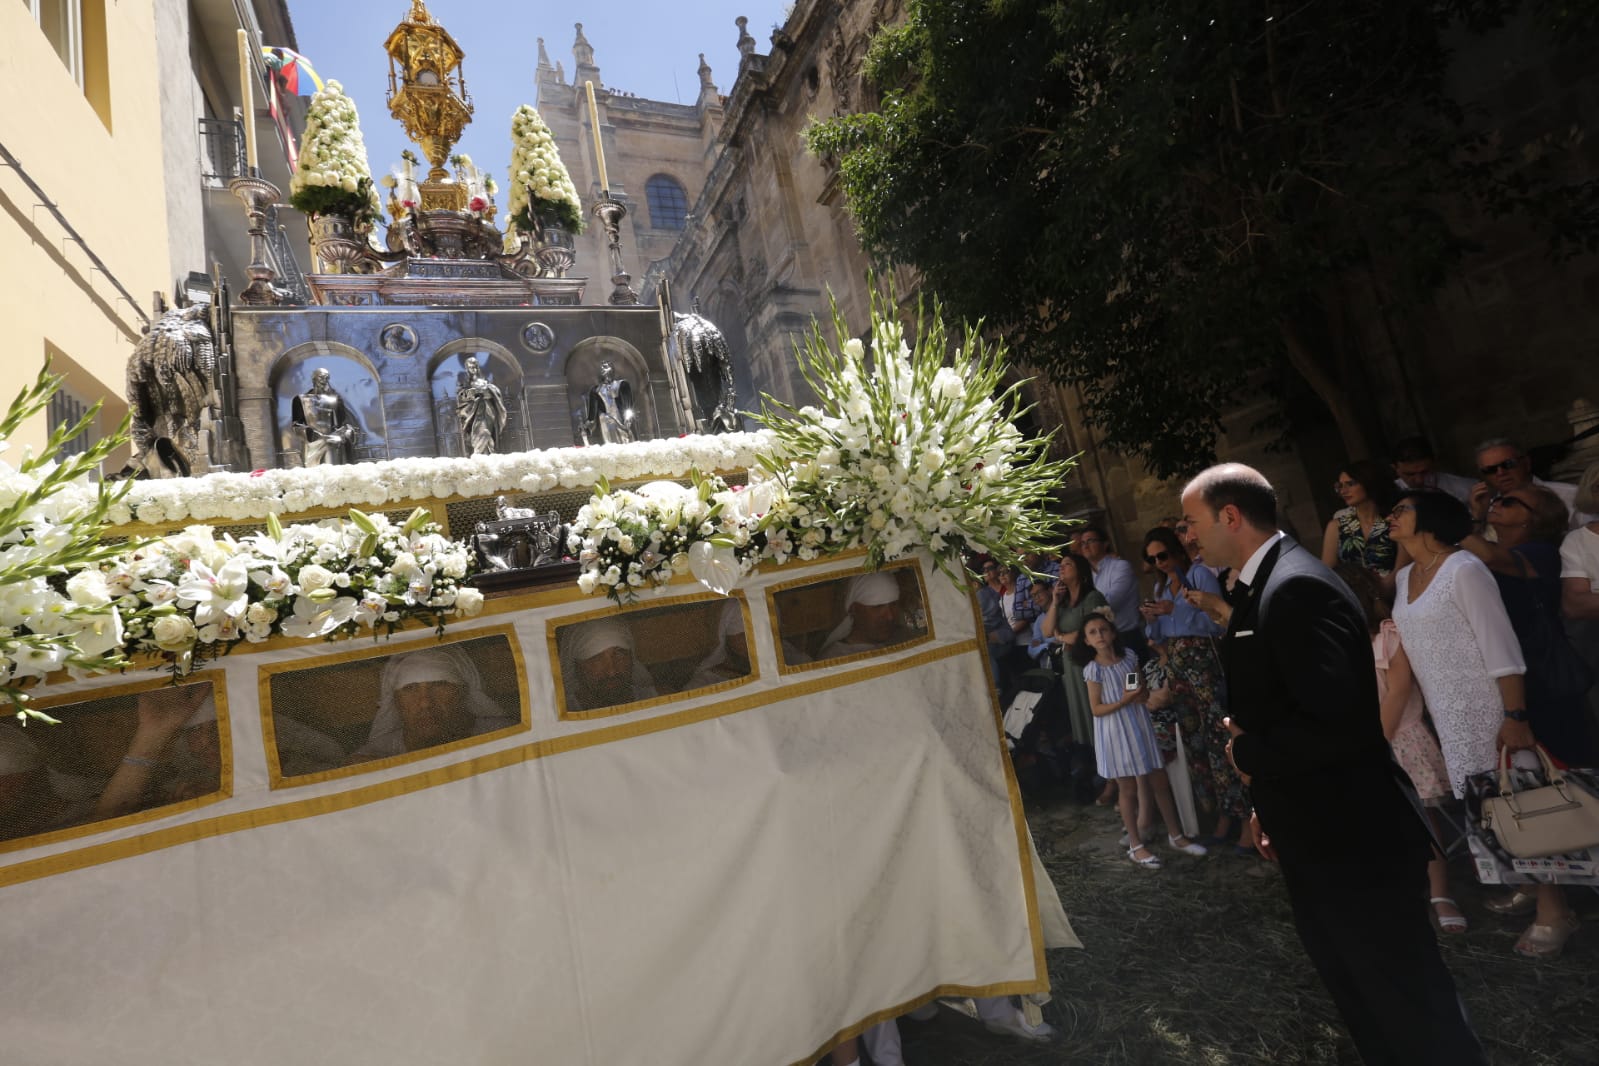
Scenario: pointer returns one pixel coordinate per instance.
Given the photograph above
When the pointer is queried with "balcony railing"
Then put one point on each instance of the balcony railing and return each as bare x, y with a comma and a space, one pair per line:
280, 255
221, 151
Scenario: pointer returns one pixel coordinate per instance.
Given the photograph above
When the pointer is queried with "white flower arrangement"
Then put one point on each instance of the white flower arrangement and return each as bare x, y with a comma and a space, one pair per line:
245, 496
333, 176
51, 520
627, 540
194, 594
905, 455
542, 192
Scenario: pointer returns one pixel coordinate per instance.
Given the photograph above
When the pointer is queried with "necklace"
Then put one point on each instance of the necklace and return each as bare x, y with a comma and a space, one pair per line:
1435, 557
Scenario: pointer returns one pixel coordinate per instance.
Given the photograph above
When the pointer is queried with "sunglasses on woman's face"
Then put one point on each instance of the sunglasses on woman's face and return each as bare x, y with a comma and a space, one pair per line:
1158, 557
1509, 501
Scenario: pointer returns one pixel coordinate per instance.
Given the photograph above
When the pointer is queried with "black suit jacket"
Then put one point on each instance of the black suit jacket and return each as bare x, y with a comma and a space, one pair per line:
1302, 684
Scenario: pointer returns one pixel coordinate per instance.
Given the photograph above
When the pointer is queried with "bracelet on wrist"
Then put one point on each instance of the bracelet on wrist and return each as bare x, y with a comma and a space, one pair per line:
1518, 716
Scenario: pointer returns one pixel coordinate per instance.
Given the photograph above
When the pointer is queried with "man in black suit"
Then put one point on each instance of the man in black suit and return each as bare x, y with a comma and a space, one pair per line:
1331, 805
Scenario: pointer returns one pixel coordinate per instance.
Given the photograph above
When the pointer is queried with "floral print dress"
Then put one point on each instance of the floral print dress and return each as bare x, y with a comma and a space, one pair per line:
1375, 551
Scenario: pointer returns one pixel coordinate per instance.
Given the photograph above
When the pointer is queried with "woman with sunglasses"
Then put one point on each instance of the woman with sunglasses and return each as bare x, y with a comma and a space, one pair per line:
1465, 655
1358, 532
1188, 635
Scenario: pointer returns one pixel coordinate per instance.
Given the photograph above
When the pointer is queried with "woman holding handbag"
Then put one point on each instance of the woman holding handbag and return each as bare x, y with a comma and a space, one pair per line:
1468, 662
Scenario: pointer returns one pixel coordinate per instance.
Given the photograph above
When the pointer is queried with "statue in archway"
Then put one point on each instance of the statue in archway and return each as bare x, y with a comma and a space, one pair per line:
169, 388
707, 364
324, 423
609, 415
480, 409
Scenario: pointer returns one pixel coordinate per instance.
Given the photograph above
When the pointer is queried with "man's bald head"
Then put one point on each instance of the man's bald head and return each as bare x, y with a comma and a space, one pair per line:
1239, 486
1231, 510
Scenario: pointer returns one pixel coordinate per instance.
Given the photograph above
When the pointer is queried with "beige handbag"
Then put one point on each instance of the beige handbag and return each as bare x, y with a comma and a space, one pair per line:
1559, 818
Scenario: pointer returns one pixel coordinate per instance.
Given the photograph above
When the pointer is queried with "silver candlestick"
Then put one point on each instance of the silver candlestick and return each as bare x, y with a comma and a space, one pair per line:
610, 212
257, 194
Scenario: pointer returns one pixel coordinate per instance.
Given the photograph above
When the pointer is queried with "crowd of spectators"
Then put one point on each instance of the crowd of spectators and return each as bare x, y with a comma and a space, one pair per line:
1482, 596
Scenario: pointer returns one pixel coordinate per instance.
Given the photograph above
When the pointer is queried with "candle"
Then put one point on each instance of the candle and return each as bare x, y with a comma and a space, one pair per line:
599, 150
247, 96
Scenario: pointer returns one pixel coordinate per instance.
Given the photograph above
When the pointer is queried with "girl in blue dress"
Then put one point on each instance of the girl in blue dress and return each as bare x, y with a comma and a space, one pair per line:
1124, 738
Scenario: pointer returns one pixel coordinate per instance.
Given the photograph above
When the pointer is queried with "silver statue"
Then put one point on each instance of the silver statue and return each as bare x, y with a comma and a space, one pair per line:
324, 422
610, 416
707, 365
480, 408
169, 388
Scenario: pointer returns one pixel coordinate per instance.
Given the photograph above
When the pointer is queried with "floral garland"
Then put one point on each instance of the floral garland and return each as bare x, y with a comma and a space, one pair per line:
246, 496
194, 594
542, 192
906, 454
333, 178
51, 518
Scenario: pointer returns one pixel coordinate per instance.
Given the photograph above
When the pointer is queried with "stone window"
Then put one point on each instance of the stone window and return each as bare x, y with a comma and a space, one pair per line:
668, 202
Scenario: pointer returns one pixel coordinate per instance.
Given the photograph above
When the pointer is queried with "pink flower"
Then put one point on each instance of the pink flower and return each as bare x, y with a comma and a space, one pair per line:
478, 204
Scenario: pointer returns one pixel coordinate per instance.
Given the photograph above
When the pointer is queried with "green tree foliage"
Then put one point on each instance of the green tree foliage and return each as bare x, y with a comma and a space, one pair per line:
1162, 200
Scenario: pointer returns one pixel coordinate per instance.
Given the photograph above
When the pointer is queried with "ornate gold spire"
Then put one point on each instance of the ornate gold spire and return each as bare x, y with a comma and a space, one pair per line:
427, 94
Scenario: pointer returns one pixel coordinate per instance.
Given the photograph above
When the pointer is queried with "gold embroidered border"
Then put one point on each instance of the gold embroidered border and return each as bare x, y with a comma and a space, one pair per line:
552, 634
275, 776
1024, 844
219, 696
112, 850
785, 667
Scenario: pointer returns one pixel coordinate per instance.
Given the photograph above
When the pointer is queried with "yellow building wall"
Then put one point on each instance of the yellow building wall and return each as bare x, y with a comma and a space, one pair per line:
106, 179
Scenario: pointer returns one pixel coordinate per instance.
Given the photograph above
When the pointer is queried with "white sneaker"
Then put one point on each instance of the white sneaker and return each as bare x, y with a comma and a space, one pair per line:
1189, 848
1015, 1024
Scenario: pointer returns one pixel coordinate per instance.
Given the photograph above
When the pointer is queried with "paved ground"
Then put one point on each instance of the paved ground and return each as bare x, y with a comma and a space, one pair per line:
1198, 964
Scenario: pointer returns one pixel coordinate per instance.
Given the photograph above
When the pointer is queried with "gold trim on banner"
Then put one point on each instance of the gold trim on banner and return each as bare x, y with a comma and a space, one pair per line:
1024, 843
266, 673
223, 825
552, 639
784, 667
219, 697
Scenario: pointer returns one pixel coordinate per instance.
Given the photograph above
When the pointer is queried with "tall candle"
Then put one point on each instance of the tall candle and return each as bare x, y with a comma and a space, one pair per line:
247, 95
599, 150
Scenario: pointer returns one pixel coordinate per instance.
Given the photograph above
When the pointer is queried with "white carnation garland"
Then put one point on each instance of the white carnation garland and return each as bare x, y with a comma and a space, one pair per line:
541, 188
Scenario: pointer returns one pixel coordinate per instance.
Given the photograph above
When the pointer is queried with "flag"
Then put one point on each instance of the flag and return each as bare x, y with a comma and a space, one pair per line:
291, 71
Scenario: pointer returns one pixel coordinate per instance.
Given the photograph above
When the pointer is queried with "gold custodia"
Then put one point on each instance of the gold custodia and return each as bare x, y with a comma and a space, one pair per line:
427, 94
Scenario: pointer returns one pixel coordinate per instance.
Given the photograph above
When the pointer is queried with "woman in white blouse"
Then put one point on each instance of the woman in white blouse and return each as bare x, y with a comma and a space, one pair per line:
1466, 658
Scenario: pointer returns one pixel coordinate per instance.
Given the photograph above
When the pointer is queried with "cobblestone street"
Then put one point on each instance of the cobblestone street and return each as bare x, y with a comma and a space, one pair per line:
1199, 964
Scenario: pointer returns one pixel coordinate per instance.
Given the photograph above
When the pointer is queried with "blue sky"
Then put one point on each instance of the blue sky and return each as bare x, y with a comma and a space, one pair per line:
639, 46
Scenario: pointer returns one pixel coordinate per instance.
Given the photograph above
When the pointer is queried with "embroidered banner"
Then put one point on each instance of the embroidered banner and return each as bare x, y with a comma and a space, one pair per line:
694, 829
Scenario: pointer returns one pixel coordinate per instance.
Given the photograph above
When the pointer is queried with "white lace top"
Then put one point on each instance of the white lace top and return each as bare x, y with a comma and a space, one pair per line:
1459, 640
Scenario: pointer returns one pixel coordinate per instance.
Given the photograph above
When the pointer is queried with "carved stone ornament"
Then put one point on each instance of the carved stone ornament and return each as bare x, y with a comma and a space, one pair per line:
538, 338
397, 338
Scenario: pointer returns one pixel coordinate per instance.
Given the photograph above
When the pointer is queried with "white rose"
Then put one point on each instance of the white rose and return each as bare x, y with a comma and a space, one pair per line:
314, 577
173, 632
469, 602
586, 581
